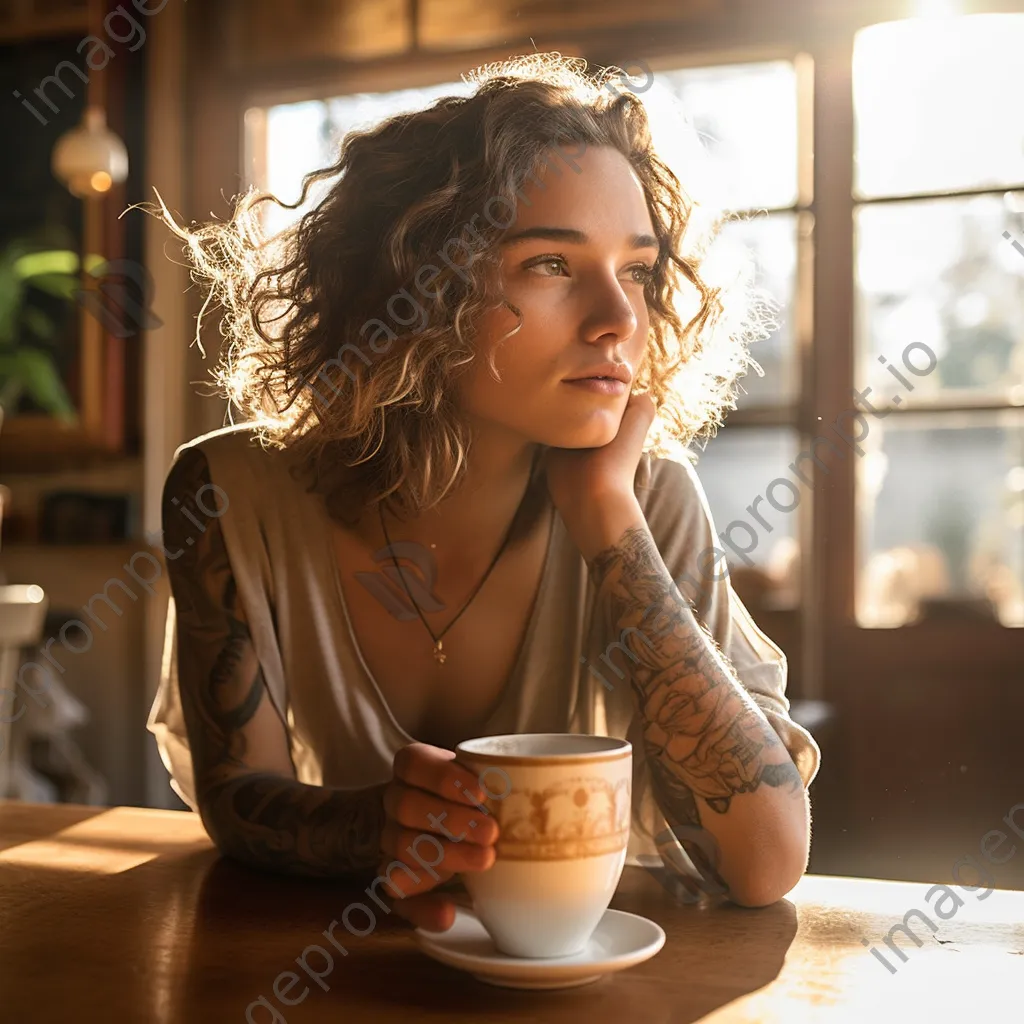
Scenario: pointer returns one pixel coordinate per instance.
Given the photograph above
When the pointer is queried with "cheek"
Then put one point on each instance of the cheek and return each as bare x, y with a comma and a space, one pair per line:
479, 393
527, 361
526, 379
640, 349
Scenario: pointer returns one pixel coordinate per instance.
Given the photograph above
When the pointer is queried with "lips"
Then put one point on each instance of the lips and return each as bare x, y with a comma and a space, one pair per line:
607, 371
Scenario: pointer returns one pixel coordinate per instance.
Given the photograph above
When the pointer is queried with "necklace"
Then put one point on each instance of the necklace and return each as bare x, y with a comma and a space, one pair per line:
439, 655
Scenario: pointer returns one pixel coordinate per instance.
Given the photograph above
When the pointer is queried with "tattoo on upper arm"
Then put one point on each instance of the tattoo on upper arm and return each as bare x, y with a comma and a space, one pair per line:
705, 734
229, 684
264, 818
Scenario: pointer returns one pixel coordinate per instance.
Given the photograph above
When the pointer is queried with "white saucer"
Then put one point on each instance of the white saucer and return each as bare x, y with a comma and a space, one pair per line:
620, 940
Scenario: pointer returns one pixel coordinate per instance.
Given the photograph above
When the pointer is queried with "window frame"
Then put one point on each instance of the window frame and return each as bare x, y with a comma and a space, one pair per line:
924, 648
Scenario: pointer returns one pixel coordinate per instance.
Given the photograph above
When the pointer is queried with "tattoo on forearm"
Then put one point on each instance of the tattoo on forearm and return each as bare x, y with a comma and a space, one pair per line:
263, 818
294, 828
704, 734
699, 844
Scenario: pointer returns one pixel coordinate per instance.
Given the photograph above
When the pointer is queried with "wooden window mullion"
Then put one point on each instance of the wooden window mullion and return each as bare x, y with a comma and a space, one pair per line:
832, 556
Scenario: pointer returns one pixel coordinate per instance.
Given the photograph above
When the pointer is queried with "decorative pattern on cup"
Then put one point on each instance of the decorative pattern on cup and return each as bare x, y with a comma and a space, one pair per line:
581, 816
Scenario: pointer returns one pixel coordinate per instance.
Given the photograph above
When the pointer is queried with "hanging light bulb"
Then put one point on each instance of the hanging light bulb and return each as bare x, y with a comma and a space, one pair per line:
90, 159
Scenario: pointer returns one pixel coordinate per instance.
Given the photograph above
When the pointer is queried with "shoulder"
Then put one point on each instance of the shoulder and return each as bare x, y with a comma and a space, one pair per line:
673, 495
231, 453
236, 442
224, 466
679, 518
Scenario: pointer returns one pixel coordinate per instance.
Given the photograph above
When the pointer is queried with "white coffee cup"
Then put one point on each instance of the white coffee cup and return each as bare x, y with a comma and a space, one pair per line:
562, 803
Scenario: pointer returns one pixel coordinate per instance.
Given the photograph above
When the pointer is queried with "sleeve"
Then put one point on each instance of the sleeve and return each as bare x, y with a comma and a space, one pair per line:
167, 717
167, 720
213, 677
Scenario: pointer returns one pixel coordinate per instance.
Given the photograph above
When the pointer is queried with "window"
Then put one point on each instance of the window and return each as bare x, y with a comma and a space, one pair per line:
939, 325
286, 141
749, 119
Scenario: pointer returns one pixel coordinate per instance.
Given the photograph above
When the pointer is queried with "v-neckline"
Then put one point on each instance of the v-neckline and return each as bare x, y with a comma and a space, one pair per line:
512, 684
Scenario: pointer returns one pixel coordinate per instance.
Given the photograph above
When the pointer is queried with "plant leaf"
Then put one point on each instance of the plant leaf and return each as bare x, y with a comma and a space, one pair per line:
10, 300
37, 376
45, 262
63, 286
39, 323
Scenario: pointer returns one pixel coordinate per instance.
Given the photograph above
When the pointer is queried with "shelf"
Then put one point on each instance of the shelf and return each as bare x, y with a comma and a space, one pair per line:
132, 545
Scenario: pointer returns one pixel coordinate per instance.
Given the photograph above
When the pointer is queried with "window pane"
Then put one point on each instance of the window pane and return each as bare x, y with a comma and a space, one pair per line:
303, 137
941, 519
770, 242
939, 275
739, 469
746, 115
939, 104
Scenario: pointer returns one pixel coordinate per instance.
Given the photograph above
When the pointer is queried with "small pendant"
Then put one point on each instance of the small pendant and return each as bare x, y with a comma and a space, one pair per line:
439, 657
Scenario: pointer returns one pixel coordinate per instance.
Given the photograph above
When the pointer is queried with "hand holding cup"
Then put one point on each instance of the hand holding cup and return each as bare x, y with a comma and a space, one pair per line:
437, 827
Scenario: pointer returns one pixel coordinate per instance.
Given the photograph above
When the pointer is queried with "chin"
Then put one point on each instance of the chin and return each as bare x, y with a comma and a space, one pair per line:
595, 434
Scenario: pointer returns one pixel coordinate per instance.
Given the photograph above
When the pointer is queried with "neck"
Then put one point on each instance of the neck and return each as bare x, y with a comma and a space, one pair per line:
477, 514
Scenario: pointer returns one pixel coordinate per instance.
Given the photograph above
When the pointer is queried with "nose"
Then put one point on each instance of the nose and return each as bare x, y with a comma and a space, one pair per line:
610, 314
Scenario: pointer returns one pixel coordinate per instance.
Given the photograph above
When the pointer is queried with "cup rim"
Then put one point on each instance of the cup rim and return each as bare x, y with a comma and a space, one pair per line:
614, 749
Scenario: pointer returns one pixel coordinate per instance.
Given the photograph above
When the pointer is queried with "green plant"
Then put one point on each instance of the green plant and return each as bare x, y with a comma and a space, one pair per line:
28, 330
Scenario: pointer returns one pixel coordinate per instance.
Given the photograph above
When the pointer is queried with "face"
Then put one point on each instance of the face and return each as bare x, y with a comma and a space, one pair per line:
574, 262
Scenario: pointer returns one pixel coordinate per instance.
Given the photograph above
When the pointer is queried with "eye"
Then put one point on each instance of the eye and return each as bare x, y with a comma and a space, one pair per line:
644, 273
548, 261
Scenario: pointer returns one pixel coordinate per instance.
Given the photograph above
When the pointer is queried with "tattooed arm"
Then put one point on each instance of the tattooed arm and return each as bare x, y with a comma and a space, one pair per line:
718, 768
250, 802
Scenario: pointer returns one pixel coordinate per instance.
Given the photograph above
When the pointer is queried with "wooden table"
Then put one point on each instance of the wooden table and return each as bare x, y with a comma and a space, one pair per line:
128, 915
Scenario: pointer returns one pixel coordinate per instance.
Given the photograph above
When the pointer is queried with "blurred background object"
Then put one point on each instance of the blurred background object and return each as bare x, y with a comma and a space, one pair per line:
90, 159
83, 518
868, 488
22, 612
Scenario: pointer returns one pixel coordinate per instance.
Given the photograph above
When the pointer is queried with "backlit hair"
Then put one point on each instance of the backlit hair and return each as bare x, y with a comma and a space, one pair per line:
344, 332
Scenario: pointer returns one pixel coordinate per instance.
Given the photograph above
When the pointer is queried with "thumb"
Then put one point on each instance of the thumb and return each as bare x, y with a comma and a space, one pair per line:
431, 911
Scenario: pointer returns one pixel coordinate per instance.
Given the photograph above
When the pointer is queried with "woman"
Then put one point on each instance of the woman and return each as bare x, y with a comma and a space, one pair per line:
454, 363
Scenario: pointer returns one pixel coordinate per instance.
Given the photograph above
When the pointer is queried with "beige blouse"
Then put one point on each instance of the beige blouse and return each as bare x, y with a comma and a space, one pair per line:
341, 730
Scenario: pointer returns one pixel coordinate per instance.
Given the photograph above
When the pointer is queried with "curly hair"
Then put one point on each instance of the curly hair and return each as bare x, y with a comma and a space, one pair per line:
330, 353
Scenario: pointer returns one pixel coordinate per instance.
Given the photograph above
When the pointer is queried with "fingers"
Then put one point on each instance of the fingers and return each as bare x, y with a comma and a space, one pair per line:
642, 404
425, 853
435, 827
417, 809
401, 880
434, 912
638, 416
435, 770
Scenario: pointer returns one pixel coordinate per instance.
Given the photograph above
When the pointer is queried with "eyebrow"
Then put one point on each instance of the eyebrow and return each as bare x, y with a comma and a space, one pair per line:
642, 241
